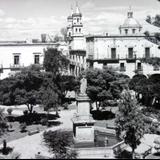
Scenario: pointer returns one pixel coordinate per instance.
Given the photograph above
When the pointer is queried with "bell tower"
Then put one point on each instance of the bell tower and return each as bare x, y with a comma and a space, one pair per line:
77, 23
76, 41
75, 29
70, 21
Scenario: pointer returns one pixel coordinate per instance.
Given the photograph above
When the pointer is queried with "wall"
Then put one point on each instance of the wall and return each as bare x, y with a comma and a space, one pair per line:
26, 53
102, 47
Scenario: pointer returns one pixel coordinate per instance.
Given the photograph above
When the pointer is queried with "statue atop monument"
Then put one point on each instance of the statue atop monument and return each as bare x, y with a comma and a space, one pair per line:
83, 86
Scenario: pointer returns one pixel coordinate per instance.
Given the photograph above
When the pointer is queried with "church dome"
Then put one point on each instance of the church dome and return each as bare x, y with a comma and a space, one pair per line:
130, 26
131, 23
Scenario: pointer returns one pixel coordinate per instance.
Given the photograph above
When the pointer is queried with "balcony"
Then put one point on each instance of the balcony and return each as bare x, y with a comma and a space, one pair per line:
131, 59
139, 70
156, 68
16, 67
122, 69
38, 65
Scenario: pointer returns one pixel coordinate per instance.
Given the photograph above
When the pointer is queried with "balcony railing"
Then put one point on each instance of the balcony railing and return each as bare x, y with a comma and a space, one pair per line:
122, 69
131, 59
139, 70
156, 68
15, 67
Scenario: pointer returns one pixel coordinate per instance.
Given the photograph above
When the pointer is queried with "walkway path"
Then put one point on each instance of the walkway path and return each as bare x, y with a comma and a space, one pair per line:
31, 145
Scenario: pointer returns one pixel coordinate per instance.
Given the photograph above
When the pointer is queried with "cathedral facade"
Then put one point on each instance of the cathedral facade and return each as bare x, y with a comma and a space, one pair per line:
123, 52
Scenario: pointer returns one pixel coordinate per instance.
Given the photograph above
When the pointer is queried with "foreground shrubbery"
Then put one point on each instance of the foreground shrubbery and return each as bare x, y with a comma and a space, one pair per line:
102, 115
58, 141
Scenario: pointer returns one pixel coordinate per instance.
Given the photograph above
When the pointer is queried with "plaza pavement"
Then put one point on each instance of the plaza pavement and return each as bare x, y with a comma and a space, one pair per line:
30, 145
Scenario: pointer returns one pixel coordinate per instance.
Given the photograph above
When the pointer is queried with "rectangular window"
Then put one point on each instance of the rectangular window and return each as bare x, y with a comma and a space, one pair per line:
16, 60
36, 59
147, 52
139, 66
130, 53
113, 53
122, 67
126, 31
133, 31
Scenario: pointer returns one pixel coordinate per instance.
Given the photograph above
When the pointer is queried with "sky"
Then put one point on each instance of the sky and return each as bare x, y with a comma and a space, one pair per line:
26, 19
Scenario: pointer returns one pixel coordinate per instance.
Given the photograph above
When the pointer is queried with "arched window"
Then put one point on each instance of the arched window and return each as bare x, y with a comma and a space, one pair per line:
79, 29
76, 29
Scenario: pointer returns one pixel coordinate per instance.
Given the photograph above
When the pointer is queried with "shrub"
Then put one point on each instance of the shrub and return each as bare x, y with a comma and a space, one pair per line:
23, 127
5, 149
44, 121
25, 112
59, 141
9, 110
65, 105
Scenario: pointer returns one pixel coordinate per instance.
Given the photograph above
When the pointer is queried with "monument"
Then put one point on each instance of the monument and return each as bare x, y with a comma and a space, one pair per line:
83, 123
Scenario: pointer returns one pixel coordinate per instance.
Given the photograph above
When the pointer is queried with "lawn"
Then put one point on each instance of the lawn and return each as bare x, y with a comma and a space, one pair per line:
16, 134
17, 117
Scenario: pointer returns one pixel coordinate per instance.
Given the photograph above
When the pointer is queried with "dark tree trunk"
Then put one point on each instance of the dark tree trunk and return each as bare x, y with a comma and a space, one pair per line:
30, 108
132, 153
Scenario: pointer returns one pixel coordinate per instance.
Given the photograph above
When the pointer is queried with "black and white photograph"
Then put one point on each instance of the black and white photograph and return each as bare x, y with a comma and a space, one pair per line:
79, 79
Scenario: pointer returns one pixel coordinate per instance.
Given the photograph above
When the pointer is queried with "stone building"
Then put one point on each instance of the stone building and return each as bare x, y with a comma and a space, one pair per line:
18, 54
124, 52
77, 42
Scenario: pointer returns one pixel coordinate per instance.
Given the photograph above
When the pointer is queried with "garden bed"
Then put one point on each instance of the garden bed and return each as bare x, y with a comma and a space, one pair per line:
16, 134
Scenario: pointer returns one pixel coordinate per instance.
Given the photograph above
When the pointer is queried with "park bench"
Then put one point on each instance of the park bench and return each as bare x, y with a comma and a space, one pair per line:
30, 133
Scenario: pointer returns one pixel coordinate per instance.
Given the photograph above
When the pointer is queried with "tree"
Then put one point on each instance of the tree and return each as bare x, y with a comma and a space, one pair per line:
104, 85
49, 94
22, 88
59, 141
149, 88
129, 121
68, 83
57, 38
149, 19
56, 84
64, 33
155, 22
55, 61
3, 122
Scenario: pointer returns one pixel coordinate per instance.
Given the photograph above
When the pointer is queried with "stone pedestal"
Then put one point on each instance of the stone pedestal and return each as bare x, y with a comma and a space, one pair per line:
83, 123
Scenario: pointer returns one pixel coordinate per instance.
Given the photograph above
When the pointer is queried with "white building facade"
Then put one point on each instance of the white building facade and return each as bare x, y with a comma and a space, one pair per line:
16, 55
123, 52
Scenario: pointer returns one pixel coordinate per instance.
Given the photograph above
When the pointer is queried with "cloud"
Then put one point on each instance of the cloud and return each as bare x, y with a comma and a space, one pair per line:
2, 13
14, 29
88, 5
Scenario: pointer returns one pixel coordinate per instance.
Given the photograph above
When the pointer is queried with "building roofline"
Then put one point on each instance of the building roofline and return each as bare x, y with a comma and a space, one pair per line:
27, 44
118, 36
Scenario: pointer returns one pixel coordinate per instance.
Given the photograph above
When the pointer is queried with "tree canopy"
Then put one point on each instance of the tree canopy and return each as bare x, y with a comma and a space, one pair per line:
104, 85
22, 88
58, 141
55, 61
129, 121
